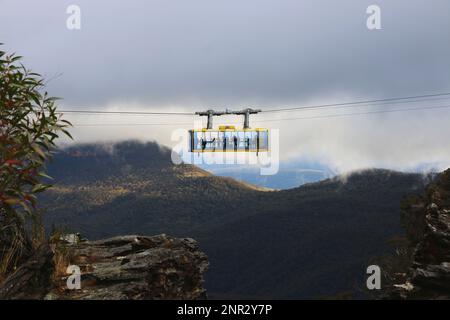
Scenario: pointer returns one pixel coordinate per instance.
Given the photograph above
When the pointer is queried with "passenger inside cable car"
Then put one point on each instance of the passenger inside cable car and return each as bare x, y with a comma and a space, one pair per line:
255, 140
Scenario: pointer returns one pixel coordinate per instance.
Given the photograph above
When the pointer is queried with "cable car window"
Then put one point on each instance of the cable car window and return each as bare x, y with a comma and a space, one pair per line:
197, 140
214, 140
247, 140
229, 140
264, 140
254, 140
241, 137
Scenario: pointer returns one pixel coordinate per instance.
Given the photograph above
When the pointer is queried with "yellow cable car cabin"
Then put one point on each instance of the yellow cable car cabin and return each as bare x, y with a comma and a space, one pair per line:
229, 139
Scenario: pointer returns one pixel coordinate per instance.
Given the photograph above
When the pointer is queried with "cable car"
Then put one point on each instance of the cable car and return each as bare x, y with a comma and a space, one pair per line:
229, 138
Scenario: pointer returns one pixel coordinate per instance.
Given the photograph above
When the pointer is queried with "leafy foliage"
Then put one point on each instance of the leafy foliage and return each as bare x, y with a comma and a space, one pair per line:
29, 126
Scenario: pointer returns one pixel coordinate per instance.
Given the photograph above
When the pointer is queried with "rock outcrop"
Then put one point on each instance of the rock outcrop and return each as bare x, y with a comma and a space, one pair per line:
31, 280
126, 267
429, 277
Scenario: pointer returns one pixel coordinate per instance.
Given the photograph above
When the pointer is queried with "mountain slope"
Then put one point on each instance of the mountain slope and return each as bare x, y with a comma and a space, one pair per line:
311, 241
135, 188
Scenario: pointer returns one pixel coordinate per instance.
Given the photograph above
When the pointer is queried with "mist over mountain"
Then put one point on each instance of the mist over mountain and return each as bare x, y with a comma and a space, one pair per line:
289, 175
311, 241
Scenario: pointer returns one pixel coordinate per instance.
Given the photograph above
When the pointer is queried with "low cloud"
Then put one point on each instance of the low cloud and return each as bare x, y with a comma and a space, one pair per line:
193, 55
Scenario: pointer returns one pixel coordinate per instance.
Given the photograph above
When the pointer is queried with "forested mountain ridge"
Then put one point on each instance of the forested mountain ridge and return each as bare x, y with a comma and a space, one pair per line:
312, 241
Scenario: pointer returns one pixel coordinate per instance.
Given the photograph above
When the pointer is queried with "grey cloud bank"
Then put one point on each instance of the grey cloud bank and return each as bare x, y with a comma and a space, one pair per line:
187, 55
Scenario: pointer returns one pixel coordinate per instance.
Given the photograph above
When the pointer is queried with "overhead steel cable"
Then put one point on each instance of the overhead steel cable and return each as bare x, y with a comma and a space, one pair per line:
321, 106
129, 124
126, 112
356, 113
373, 104
366, 103
276, 120
355, 103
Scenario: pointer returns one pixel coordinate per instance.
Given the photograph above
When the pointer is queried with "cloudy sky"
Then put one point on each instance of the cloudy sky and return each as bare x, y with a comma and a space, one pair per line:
178, 55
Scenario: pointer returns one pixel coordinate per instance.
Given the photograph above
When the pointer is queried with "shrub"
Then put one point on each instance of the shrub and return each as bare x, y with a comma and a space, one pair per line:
29, 127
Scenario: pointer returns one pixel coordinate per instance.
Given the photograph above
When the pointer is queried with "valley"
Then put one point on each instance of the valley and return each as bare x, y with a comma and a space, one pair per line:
312, 241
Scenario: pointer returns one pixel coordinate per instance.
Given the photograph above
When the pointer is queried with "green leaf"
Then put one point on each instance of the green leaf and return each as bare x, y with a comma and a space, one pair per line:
41, 174
67, 133
12, 201
39, 188
39, 151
